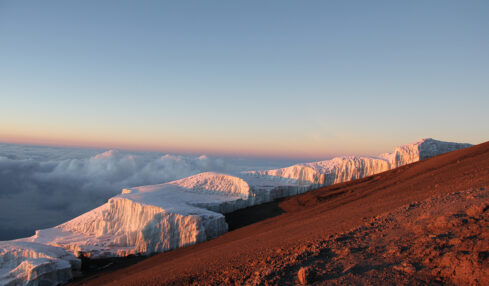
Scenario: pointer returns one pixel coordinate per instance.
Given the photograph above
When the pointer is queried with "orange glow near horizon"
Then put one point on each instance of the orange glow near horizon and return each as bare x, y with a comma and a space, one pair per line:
302, 143
292, 148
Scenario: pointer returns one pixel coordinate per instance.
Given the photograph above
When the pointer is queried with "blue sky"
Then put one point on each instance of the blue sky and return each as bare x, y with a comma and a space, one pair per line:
277, 78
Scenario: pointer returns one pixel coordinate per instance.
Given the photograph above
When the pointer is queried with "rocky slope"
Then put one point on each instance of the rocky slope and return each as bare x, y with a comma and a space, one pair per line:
440, 240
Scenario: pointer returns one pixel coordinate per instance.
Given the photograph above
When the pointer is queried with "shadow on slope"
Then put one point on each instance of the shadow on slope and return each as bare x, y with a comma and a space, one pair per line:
254, 214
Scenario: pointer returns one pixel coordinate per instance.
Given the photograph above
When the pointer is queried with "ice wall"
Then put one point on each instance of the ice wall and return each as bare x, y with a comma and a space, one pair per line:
157, 218
151, 219
342, 169
26, 263
423, 149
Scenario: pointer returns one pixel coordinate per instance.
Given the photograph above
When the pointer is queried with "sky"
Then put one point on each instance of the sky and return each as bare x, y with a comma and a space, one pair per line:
304, 79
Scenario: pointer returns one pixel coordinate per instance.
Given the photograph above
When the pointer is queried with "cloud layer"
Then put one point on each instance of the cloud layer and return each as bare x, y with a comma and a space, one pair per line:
41, 186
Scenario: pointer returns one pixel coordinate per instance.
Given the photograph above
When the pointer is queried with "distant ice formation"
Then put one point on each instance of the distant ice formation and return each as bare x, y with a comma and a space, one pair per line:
157, 218
343, 169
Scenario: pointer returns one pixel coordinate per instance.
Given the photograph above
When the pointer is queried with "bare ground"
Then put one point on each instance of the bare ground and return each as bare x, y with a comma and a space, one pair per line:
441, 240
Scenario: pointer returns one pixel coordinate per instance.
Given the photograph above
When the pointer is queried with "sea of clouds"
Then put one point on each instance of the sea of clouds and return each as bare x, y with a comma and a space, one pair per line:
44, 186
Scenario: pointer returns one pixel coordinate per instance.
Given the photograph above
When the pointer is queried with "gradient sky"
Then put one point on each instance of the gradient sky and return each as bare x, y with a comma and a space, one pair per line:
275, 78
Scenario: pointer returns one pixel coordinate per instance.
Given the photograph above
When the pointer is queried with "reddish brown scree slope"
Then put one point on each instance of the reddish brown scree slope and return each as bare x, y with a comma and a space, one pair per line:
235, 256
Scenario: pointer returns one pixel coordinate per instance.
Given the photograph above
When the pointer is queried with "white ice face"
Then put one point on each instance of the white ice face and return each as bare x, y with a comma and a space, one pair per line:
342, 169
157, 218
22, 263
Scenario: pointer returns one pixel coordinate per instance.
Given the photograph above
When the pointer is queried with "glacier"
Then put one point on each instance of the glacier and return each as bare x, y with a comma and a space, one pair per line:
157, 218
347, 168
28, 263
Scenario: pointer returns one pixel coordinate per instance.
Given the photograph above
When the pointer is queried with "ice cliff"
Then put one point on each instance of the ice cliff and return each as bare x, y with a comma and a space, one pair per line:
27, 263
157, 218
150, 219
342, 169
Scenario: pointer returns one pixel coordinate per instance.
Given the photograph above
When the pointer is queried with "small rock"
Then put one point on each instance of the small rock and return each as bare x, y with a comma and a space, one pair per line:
305, 275
475, 211
405, 267
349, 267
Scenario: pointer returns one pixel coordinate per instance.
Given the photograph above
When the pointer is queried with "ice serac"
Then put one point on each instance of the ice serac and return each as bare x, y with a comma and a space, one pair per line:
342, 169
423, 149
157, 218
27, 263
151, 219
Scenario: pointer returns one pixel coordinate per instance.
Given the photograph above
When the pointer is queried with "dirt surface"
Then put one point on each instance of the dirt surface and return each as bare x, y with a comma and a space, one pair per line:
441, 240
413, 225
